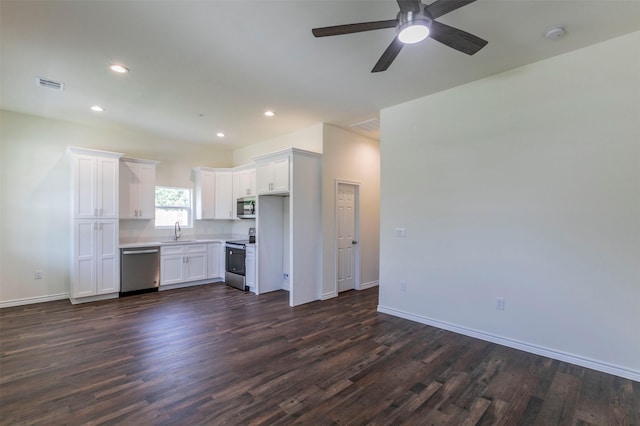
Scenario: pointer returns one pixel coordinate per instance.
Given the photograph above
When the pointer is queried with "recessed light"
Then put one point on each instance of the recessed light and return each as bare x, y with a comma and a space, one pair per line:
269, 113
220, 135
119, 69
97, 108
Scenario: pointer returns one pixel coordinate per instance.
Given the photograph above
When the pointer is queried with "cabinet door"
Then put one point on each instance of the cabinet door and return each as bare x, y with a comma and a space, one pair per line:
107, 255
280, 175
251, 182
246, 183
128, 191
214, 269
264, 178
250, 268
195, 267
223, 194
84, 191
171, 267
205, 187
107, 187
84, 259
146, 177
273, 177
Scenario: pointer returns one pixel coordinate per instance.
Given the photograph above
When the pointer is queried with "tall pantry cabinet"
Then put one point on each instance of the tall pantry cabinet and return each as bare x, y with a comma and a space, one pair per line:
94, 225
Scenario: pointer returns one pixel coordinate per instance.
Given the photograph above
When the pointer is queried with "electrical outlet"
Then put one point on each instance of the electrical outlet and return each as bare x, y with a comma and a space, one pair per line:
500, 303
37, 274
403, 286
401, 232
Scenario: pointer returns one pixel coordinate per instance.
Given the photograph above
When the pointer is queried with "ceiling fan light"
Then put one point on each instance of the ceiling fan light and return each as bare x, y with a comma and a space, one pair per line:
413, 33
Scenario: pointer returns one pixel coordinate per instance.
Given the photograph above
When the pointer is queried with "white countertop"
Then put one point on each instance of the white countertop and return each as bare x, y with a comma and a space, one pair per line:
195, 239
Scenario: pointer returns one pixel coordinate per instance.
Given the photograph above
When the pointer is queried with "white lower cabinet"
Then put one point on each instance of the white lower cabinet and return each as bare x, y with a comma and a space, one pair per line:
96, 258
183, 263
215, 267
250, 268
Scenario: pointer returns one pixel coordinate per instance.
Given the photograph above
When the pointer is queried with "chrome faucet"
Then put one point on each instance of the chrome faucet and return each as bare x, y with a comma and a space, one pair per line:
176, 231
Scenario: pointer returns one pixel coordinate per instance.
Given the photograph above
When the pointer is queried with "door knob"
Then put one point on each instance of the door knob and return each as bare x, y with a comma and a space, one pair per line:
354, 242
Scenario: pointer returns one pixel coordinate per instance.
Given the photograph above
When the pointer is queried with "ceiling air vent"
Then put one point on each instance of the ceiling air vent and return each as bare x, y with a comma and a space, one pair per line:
49, 84
372, 125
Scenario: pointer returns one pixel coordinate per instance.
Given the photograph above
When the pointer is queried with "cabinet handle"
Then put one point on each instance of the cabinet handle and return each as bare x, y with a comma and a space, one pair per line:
140, 212
101, 226
95, 212
95, 226
100, 212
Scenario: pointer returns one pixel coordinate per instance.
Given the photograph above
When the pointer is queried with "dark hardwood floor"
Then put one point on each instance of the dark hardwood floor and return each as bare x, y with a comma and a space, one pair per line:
215, 355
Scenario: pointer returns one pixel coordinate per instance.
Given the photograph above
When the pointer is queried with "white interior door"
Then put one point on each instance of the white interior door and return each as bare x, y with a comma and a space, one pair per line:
346, 235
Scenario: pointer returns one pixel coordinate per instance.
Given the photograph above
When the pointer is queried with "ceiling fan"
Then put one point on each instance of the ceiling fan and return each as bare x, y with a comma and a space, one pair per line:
414, 23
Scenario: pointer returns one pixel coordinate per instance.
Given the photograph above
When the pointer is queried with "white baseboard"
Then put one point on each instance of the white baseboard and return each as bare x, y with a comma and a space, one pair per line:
370, 284
329, 295
523, 346
32, 300
94, 298
189, 284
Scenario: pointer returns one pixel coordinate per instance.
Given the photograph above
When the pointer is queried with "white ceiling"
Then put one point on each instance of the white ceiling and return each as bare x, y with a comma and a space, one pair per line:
199, 67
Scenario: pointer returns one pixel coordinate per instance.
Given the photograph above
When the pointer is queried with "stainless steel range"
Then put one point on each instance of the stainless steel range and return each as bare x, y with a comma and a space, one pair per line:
235, 269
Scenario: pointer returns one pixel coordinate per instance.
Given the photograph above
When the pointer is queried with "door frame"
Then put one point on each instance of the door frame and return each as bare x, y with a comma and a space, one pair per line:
356, 214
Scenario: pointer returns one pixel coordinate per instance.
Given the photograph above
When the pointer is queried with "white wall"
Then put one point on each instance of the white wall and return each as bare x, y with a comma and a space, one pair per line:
353, 158
309, 139
34, 185
526, 186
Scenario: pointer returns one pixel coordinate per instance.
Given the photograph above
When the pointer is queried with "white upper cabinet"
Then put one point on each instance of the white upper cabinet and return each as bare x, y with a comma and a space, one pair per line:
214, 193
245, 183
223, 195
273, 176
205, 187
137, 188
94, 183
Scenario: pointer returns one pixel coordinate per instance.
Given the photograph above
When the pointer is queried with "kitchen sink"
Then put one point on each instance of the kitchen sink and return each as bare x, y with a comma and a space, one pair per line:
177, 242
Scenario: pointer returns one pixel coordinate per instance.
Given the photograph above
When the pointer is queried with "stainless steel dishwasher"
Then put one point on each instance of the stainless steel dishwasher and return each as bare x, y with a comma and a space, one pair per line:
139, 269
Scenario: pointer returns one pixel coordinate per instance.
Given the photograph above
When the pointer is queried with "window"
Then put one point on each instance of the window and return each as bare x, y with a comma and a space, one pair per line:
173, 205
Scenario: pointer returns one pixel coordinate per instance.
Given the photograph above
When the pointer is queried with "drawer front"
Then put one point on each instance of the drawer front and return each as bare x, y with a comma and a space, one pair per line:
172, 249
195, 248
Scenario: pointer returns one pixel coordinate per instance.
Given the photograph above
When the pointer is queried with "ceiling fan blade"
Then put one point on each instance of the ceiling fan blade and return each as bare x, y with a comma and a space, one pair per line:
354, 28
409, 5
388, 56
442, 7
456, 39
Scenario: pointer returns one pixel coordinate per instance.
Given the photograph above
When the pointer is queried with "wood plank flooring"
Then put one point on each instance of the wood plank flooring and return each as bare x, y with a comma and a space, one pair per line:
215, 355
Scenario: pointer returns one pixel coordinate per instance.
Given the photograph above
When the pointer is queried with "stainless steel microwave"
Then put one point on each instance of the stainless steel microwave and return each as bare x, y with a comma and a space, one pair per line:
247, 208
